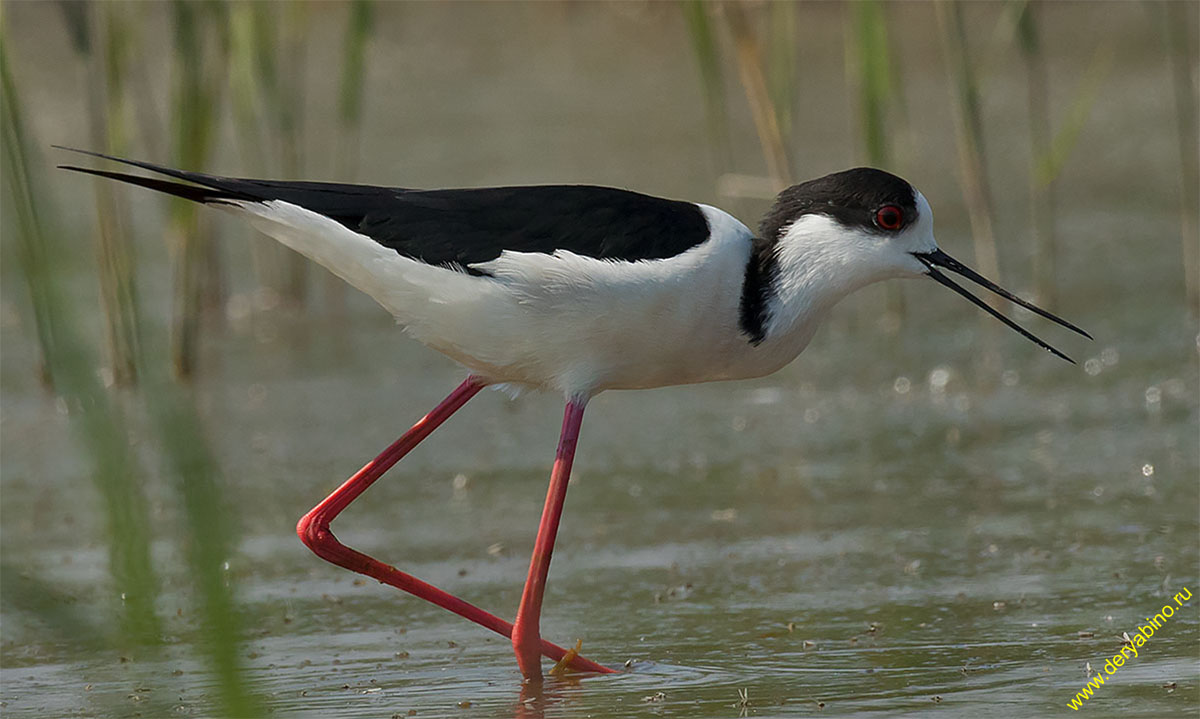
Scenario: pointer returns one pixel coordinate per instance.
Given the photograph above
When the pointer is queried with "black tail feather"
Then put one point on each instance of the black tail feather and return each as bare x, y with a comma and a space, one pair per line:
337, 200
188, 192
212, 181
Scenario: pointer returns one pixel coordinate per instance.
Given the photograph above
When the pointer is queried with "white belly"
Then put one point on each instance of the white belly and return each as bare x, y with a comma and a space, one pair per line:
576, 324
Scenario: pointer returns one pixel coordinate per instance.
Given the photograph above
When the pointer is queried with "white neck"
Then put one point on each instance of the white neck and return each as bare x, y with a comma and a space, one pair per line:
819, 263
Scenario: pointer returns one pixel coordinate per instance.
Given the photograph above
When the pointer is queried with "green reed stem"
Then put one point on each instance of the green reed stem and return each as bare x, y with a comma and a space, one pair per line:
97, 31
1042, 193
199, 76
766, 115
98, 421
290, 114
354, 76
782, 56
874, 79
969, 135
254, 88
359, 22
30, 243
876, 82
1050, 150
208, 541
704, 42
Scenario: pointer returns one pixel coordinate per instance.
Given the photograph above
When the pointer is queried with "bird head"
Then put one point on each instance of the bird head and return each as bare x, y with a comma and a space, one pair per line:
851, 228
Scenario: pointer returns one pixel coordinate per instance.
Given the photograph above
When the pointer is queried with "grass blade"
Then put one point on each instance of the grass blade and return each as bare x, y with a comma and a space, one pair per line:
969, 135
254, 89
874, 79
207, 540
782, 55
354, 73
199, 75
1042, 189
98, 421
98, 38
290, 114
876, 82
766, 115
704, 43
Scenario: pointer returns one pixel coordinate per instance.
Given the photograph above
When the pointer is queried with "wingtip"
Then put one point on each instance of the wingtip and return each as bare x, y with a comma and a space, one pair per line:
90, 153
77, 168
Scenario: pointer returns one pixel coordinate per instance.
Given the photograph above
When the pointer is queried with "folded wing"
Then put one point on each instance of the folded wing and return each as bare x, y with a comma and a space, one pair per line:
463, 227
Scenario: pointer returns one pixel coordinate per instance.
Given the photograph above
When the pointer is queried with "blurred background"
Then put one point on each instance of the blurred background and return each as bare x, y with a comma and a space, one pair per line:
923, 513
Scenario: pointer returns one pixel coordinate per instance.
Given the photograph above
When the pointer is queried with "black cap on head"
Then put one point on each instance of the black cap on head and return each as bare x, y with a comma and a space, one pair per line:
850, 197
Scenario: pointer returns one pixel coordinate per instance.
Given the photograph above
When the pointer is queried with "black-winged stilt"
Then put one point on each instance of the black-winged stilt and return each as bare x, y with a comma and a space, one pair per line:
579, 289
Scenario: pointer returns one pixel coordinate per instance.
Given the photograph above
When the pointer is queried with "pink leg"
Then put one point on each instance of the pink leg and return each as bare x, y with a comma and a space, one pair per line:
526, 636
314, 531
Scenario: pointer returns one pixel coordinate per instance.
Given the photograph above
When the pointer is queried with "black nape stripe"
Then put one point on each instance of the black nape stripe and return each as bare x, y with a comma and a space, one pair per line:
758, 286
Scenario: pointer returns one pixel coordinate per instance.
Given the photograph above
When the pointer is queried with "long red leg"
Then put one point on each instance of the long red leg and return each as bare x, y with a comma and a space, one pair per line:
526, 636
314, 531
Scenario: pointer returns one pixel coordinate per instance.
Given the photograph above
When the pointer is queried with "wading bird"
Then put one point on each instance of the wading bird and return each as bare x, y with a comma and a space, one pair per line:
579, 289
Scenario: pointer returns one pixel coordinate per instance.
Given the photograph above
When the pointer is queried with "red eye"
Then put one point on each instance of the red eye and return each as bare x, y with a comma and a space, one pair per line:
889, 217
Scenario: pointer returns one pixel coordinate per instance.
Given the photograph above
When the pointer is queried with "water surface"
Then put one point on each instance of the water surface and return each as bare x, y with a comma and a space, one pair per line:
942, 519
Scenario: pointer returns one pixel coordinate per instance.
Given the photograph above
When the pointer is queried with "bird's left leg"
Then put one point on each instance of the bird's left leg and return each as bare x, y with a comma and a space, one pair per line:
526, 635
314, 530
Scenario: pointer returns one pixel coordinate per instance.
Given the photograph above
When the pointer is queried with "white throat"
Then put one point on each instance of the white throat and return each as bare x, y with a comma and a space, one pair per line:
820, 262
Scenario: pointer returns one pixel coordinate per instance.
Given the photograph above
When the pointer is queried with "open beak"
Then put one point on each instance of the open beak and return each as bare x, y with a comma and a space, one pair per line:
937, 258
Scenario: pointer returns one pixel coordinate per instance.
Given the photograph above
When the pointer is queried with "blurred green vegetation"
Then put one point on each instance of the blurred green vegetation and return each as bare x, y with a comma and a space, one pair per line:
99, 417
250, 59
102, 35
879, 85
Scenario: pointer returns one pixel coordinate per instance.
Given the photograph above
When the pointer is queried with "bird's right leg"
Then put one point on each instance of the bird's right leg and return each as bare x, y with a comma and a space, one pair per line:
314, 531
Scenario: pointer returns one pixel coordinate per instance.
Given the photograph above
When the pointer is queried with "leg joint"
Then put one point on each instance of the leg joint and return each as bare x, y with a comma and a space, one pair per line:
313, 530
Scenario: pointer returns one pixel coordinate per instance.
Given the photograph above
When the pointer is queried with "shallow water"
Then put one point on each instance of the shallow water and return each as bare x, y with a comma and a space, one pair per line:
942, 520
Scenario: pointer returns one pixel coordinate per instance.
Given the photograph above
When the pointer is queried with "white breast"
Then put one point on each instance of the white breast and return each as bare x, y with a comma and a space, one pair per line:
580, 324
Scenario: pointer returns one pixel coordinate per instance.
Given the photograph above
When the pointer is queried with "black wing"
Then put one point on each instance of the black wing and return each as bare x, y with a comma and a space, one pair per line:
465, 227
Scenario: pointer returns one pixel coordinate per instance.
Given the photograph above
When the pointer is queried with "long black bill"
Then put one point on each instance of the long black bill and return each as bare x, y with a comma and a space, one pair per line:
937, 258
